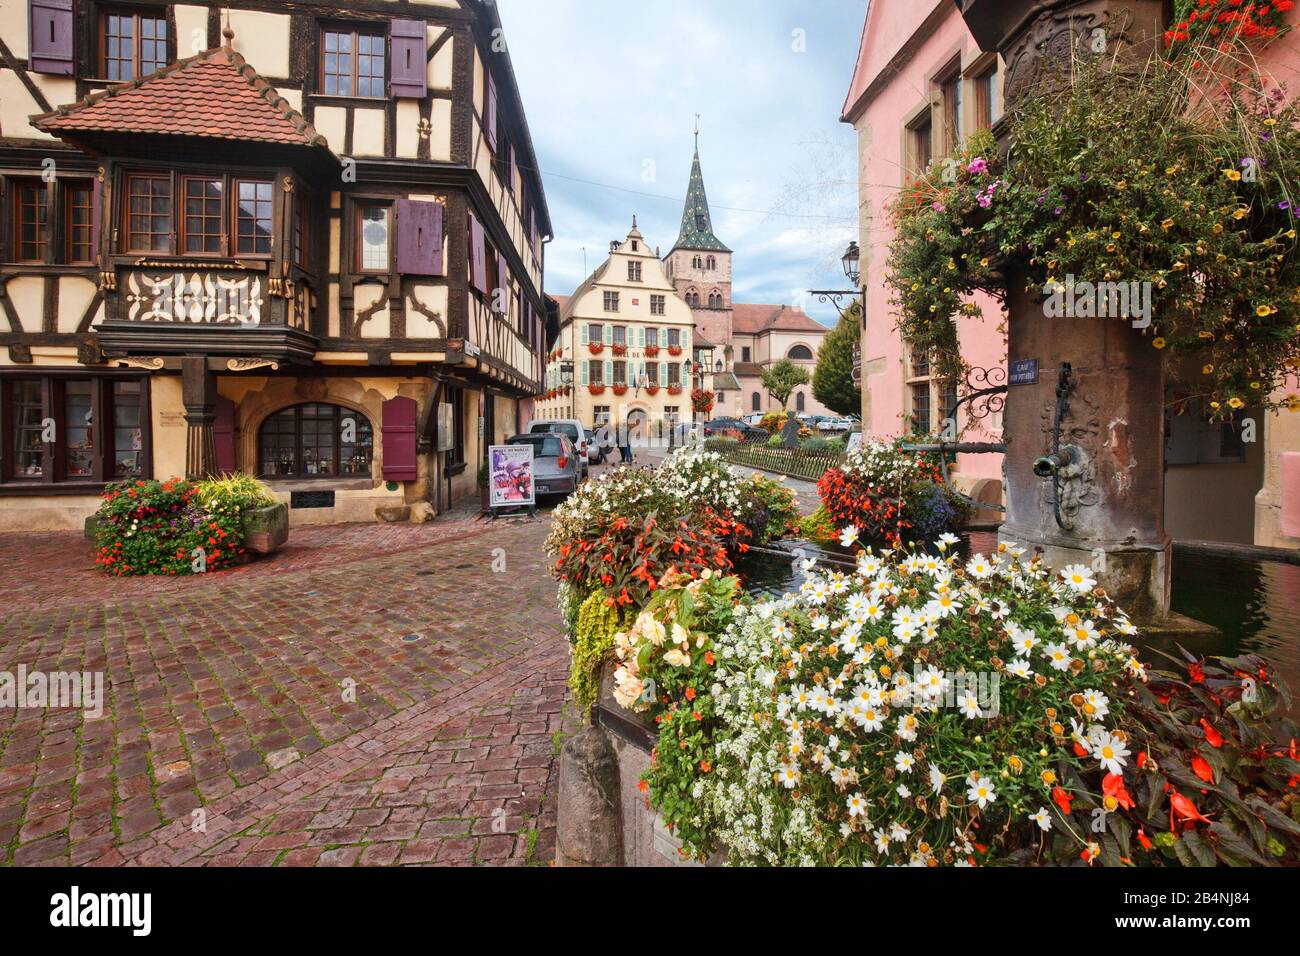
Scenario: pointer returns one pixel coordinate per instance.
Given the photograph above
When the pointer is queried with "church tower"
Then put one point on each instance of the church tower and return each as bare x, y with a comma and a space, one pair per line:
699, 266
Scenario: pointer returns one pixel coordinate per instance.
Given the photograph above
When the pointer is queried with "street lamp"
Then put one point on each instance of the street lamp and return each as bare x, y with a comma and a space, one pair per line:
851, 259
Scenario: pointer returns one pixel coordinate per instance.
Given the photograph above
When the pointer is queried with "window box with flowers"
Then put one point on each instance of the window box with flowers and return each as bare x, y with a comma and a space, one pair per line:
674, 389
620, 389
674, 350
618, 349
651, 351
595, 348
596, 389
652, 389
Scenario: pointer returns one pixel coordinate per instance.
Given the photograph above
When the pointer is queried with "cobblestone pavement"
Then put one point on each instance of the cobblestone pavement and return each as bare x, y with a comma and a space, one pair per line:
374, 694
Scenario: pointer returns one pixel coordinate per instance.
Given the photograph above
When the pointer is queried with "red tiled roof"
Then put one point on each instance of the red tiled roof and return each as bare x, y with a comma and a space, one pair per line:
749, 319
215, 94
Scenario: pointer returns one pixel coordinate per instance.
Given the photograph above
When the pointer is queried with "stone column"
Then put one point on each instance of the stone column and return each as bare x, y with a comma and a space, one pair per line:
1103, 505
1109, 512
199, 394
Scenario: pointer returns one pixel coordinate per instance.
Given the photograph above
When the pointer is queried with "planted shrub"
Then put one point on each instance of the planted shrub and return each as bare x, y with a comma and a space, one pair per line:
924, 711
886, 494
157, 527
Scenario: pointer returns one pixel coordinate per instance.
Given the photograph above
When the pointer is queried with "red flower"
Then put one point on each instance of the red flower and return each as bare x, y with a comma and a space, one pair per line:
1202, 769
1144, 839
1062, 799
1112, 785
690, 693
1212, 736
1182, 808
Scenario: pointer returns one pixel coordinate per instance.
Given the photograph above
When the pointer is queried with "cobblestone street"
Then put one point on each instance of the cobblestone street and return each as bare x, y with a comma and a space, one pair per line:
373, 694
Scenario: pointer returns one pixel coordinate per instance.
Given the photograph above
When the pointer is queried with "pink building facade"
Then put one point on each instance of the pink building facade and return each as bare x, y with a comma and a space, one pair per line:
919, 86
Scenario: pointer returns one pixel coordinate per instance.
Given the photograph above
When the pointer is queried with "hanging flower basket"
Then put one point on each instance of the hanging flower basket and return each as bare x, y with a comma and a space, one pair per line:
674, 350
674, 389
652, 389
651, 351
702, 401
620, 389
596, 389
595, 348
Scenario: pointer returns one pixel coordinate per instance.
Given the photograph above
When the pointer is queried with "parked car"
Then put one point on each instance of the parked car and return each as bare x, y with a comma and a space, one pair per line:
834, 425
593, 445
571, 427
557, 466
754, 418
727, 427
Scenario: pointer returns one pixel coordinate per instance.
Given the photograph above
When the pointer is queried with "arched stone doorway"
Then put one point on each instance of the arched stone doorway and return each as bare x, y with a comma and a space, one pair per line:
638, 426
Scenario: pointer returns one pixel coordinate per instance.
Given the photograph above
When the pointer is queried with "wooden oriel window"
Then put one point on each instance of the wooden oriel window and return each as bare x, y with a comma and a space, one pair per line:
132, 44
31, 220
315, 441
374, 232
205, 203
253, 206
353, 62
149, 212
78, 223
96, 426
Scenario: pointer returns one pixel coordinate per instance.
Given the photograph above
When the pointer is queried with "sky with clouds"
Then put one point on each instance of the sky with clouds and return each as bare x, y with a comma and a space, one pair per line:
611, 89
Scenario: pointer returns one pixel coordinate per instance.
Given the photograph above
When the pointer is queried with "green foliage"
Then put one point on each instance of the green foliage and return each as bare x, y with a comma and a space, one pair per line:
593, 640
832, 381
233, 494
768, 508
1200, 206
818, 527
782, 378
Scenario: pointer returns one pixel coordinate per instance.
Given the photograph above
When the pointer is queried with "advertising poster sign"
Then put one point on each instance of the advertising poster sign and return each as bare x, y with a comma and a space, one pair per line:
511, 468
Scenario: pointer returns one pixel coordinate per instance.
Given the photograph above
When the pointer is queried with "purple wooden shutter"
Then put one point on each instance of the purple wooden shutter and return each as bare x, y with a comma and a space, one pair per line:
409, 72
223, 429
419, 237
477, 256
514, 168
50, 36
490, 129
398, 423
503, 281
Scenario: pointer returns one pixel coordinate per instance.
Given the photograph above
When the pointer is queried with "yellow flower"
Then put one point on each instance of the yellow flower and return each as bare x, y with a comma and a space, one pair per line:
1254, 385
1235, 403
1263, 310
984, 261
1207, 369
1167, 224
1170, 170
1215, 405
1270, 122
1122, 184
1159, 342
1205, 335
1239, 213
1292, 402
1232, 174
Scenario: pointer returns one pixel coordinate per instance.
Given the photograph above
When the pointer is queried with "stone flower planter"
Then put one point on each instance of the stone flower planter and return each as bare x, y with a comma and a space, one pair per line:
266, 529
603, 819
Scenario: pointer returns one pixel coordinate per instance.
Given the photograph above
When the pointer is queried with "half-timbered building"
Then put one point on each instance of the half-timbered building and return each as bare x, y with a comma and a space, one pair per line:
301, 240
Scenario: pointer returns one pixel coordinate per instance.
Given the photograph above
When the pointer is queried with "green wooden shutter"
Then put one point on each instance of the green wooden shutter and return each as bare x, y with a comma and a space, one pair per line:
585, 377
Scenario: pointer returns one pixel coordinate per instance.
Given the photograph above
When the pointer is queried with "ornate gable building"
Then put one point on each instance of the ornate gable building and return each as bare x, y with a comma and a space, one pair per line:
299, 240
745, 338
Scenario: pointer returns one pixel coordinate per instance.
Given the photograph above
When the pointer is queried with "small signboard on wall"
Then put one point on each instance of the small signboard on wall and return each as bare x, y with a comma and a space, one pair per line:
510, 477
446, 427
1023, 372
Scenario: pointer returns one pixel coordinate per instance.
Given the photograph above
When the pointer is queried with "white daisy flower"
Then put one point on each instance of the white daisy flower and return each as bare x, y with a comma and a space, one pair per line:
1110, 753
981, 791
1079, 578
1042, 818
